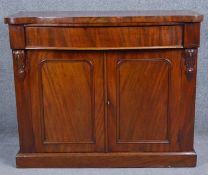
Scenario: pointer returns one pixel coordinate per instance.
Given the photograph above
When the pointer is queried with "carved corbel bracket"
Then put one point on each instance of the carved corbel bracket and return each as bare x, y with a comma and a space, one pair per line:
190, 62
19, 57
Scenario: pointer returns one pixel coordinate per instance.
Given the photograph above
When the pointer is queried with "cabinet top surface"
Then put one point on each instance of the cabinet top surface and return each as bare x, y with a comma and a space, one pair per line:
99, 17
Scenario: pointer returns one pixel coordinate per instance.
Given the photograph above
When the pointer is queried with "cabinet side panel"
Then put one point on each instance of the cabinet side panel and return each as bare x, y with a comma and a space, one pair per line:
17, 36
22, 87
188, 91
191, 35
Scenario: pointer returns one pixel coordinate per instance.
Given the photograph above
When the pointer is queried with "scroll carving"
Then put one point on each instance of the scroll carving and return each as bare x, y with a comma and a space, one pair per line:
190, 62
19, 57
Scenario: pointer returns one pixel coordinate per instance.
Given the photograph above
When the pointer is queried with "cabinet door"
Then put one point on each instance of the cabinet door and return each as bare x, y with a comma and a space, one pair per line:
149, 108
67, 100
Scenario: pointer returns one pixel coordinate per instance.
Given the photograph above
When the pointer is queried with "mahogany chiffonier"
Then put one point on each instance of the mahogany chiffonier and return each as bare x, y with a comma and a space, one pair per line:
105, 89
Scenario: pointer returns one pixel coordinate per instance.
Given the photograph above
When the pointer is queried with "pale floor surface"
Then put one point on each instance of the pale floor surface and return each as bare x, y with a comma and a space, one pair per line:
9, 147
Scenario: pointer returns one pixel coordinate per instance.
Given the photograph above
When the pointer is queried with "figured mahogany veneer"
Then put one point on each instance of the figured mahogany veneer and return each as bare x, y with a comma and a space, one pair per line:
109, 37
105, 89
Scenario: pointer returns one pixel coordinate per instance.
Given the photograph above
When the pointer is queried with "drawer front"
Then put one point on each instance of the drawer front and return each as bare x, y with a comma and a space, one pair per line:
104, 37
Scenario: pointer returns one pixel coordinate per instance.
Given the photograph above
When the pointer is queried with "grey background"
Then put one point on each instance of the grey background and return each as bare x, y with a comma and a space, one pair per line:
8, 124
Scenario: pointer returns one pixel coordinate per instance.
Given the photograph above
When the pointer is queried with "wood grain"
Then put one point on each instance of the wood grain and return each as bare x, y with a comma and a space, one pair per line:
104, 37
68, 97
106, 160
100, 17
146, 103
23, 103
17, 36
67, 101
191, 35
146, 107
105, 89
